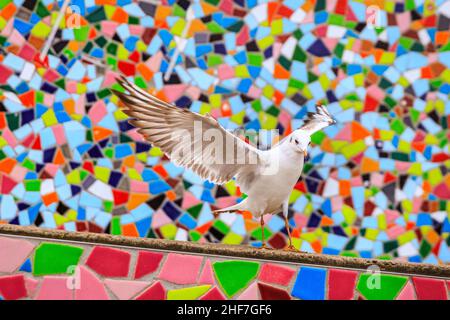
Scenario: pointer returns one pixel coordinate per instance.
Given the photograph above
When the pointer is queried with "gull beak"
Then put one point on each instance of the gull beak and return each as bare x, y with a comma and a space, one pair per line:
305, 153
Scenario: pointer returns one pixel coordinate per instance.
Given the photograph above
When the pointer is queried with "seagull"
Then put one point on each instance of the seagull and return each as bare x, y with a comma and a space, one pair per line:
199, 143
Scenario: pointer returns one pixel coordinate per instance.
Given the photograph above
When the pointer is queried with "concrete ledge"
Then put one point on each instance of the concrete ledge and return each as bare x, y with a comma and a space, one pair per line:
238, 251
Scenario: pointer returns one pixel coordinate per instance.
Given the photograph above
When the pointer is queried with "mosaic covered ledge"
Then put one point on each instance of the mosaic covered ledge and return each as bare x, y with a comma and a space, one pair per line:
45, 269
376, 185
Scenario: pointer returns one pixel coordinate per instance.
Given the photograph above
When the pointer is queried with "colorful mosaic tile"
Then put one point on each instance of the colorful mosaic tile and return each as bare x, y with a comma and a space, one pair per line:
234, 275
54, 288
181, 269
109, 262
310, 284
13, 253
147, 263
376, 184
341, 284
220, 278
391, 285
63, 256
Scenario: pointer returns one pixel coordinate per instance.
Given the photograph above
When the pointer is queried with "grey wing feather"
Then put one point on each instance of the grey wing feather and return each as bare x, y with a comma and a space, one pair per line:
189, 139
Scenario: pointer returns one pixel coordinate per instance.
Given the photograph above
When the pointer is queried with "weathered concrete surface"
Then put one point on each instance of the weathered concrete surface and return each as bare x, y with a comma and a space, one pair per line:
230, 250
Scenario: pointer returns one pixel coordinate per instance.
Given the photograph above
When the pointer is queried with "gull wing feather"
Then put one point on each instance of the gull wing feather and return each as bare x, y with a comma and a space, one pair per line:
191, 140
317, 121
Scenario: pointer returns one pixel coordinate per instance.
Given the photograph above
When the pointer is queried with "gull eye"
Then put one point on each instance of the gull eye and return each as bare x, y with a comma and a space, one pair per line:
296, 141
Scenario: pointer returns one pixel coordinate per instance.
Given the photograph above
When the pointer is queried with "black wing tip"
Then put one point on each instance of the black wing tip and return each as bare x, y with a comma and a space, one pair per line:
321, 110
310, 116
322, 107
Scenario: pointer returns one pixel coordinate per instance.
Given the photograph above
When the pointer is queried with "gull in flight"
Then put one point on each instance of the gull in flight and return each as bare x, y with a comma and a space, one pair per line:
198, 142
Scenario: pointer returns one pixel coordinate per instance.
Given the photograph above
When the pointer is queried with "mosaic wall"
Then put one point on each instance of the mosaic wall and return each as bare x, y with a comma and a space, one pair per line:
376, 184
41, 270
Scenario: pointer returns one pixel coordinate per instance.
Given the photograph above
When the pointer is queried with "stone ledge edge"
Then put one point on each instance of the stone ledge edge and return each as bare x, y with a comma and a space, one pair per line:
236, 251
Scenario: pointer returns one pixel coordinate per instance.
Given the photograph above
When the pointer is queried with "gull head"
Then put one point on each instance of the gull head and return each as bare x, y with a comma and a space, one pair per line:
300, 140
319, 120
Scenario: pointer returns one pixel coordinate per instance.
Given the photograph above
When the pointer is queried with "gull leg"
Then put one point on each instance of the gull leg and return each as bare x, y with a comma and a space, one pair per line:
263, 246
288, 229
291, 246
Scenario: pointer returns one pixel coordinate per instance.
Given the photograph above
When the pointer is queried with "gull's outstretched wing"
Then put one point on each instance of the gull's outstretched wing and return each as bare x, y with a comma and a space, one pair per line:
317, 121
189, 139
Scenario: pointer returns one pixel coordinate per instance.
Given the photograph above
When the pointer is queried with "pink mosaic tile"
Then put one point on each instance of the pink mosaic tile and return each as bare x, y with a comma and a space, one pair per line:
55, 288
407, 292
90, 287
31, 285
13, 253
207, 275
251, 293
125, 289
180, 268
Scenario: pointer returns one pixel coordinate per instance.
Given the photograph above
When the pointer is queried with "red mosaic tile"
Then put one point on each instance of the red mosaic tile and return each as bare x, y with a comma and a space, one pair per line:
430, 289
155, 292
271, 293
109, 262
213, 294
5, 73
13, 287
341, 284
276, 274
147, 263
127, 68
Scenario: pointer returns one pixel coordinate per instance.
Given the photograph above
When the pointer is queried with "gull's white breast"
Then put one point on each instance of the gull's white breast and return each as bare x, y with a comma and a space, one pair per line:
267, 192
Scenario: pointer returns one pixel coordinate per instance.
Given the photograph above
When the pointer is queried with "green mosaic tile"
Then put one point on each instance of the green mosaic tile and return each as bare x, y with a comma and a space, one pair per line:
380, 286
53, 258
233, 276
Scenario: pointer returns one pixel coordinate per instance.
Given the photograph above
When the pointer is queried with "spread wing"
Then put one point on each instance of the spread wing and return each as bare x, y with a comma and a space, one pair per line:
317, 121
189, 139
